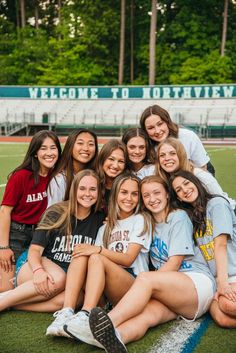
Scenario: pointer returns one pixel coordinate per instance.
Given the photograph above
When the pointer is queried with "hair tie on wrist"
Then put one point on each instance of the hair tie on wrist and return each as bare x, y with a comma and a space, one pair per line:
100, 250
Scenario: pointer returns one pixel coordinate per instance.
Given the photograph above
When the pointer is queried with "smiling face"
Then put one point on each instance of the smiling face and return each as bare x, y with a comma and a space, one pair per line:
155, 199
168, 158
136, 147
128, 198
185, 189
84, 148
47, 155
156, 128
87, 192
114, 164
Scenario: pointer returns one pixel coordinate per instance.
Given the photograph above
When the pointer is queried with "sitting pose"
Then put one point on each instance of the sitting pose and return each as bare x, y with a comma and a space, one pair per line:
158, 125
80, 152
215, 234
41, 280
182, 286
141, 158
120, 253
172, 157
24, 201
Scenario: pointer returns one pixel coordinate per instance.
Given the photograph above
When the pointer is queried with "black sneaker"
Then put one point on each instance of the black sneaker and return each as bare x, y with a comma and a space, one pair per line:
104, 331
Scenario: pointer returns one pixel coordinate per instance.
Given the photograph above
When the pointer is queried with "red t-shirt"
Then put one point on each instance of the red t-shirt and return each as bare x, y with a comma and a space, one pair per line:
28, 201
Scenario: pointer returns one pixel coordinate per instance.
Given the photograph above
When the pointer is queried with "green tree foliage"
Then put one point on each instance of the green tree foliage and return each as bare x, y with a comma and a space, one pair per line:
80, 44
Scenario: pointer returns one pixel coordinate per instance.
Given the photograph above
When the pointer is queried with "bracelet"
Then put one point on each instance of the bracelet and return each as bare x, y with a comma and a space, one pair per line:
4, 247
100, 250
38, 268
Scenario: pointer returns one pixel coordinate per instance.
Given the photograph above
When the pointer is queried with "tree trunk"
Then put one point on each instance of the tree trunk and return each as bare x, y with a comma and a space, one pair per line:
132, 41
36, 14
22, 13
122, 43
224, 30
152, 44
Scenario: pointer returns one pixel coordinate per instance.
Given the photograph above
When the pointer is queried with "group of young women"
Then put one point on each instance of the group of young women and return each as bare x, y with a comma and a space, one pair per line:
87, 228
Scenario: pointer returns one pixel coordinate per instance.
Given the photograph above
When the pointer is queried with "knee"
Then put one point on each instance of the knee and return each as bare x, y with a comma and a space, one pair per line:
220, 318
95, 258
60, 281
144, 280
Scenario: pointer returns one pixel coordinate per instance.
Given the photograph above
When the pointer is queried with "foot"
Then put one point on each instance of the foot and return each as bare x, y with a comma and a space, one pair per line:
104, 332
78, 328
61, 317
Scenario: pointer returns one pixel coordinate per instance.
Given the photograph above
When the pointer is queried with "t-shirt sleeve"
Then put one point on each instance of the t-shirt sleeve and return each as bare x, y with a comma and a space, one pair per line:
14, 190
40, 237
199, 155
181, 236
99, 238
136, 237
221, 218
56, 189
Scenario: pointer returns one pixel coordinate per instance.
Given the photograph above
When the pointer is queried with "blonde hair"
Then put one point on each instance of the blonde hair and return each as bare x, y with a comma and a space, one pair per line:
114, 210
184, 163
59, 216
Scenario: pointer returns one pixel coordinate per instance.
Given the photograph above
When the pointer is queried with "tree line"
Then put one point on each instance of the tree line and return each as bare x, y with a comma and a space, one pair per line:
139, 42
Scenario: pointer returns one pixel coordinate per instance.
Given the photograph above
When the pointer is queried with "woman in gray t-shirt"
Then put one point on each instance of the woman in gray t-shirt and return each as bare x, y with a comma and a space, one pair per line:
214, 226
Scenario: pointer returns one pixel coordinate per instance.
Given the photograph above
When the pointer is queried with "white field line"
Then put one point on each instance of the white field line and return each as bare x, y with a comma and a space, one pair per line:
174, 340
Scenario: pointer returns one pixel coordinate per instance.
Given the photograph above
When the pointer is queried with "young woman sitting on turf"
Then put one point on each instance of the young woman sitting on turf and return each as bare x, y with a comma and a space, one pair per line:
182, 286
215, 234
80, 152
112, 161
41, 280
24, 201
158, 125
141, 158
172, 157
120, 253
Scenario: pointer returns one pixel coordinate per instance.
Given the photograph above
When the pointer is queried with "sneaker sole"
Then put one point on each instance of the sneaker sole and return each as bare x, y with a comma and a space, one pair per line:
104, 331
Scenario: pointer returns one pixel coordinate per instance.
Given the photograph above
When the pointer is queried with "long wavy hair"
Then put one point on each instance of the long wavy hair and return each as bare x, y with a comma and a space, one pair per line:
184, 163
105, 152
31, 161
164, 115
66, 164
114, 210
196, 212
60, 215
169, 206
137, 132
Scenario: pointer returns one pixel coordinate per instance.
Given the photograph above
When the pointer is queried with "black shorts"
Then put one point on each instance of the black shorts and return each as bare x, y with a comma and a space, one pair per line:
20, 237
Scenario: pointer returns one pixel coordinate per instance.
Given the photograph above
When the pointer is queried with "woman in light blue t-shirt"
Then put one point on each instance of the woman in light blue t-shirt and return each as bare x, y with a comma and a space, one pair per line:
214, 226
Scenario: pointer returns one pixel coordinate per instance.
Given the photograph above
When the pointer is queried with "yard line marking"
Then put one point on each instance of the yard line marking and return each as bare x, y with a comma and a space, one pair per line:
175, 339
11, 156
2, 185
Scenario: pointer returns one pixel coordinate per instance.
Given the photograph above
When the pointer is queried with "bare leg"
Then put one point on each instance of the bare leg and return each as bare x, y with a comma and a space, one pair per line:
160, 286
48, 306
26, 293
75, 279
222, 318
155, 313
6, 280
100, 272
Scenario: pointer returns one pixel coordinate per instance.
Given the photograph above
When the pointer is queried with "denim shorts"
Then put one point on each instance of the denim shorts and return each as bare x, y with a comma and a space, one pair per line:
20, 237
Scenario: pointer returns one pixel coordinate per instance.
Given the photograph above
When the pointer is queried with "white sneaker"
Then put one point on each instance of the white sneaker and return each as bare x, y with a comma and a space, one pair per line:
61, 317
104, 332
78, 328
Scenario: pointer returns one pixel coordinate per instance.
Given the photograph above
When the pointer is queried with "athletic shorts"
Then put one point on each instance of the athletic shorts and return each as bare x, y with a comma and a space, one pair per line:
232, 279
205, 292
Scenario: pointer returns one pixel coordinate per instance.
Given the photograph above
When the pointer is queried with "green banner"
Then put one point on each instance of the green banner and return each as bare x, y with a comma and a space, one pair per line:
118, 92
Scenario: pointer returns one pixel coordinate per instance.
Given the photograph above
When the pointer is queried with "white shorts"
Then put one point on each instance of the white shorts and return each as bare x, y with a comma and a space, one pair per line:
205, 292
232, 279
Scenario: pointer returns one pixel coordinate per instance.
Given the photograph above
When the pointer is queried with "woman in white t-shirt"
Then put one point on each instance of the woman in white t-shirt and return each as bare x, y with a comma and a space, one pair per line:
182, 286
172, 157
141, 157
79, 153
158, 125
120, 253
